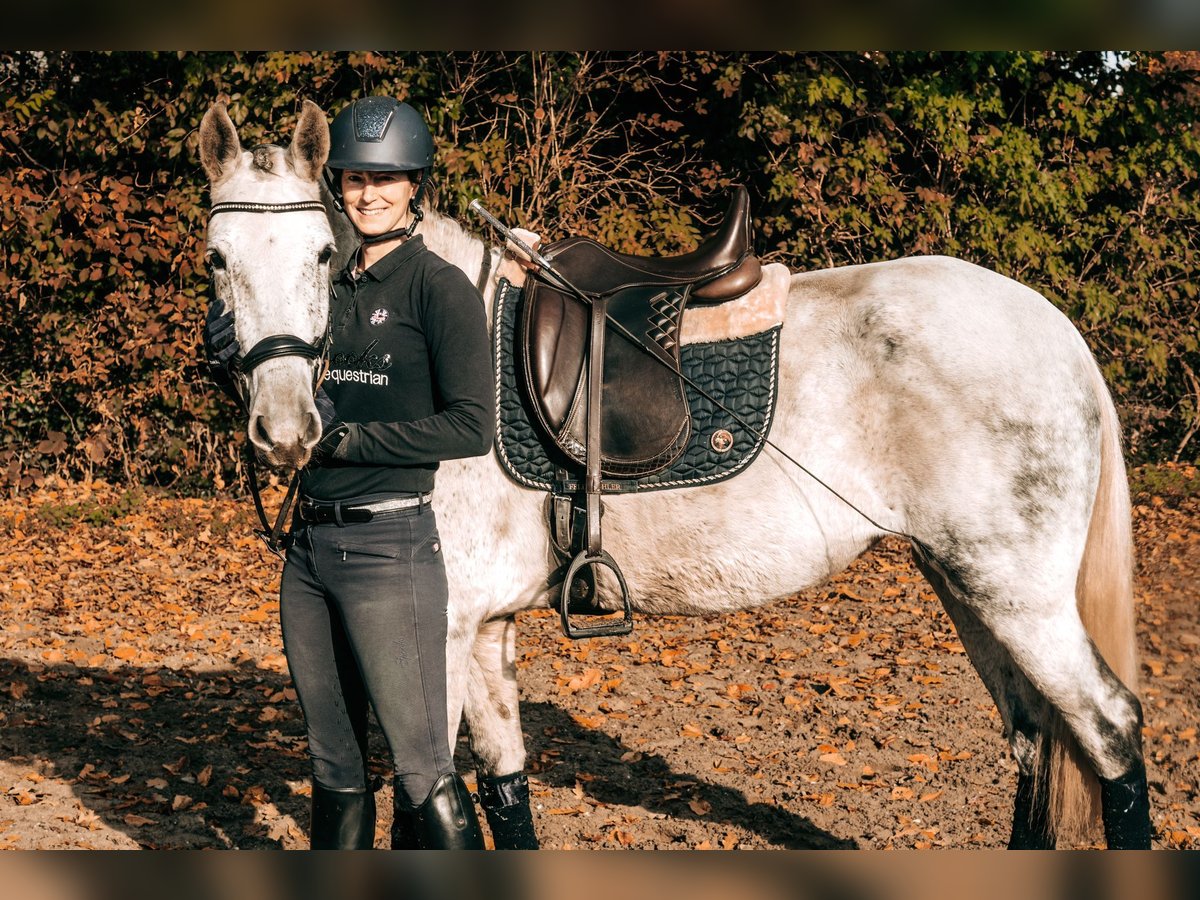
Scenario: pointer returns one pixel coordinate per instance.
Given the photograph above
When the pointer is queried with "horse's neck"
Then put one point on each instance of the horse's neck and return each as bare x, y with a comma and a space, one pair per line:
447, 238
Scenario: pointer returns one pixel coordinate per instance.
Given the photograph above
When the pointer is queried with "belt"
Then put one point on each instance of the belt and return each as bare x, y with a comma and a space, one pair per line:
319, 512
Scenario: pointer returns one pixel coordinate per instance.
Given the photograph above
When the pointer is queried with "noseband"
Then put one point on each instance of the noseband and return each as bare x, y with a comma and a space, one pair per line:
278, 346
275, 346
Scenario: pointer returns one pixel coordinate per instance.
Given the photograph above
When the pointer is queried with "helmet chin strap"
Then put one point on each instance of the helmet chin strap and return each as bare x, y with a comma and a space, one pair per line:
388, 236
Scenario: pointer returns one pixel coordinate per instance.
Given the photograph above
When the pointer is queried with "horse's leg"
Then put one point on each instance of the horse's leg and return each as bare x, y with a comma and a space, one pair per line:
1021, 709
1102, 714
1040, 629
493, 718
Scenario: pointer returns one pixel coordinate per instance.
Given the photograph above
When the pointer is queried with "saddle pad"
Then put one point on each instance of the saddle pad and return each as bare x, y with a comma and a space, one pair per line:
741, 373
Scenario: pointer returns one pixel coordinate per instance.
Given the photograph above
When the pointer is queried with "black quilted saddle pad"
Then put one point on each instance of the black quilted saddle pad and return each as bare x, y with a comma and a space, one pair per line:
741, 373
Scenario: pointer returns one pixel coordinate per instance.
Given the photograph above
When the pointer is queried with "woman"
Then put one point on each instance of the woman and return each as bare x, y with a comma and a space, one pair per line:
363, 595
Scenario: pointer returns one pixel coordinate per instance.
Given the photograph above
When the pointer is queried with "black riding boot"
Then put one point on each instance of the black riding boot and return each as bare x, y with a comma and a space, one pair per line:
1125, 805
505, 802
404, 825
447, 820
342, 820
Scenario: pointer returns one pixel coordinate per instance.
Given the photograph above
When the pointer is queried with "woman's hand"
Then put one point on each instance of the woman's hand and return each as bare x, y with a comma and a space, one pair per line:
333, 430
514, 264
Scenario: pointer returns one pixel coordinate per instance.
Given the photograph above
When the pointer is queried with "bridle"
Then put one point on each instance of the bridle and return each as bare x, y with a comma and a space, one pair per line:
275, 346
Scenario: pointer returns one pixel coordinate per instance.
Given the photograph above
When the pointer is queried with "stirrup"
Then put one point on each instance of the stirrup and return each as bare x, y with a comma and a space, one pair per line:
583, 561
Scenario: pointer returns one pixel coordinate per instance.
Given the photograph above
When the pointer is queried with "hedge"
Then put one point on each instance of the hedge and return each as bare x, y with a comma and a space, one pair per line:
1075, 173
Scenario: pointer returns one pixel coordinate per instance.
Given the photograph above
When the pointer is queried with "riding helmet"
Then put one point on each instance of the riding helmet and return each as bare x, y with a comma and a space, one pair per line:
380, 134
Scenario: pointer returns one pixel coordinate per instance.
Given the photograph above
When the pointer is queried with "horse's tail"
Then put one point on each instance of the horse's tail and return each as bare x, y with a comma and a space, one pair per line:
1104, 594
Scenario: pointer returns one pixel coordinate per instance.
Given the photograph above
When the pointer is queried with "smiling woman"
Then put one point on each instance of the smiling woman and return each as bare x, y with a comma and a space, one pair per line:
363, 596
378, 166
378, 203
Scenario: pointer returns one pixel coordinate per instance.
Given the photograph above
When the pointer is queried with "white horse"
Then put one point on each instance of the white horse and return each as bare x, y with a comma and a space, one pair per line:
952, 404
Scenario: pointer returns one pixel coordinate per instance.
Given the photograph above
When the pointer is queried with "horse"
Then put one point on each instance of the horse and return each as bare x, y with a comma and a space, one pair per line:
957, 406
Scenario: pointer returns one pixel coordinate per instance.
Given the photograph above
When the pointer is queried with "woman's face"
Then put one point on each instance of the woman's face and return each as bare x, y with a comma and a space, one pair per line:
377, 202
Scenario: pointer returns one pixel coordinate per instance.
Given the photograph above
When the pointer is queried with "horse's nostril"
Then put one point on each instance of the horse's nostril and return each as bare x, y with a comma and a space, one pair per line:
260, 431
312, 433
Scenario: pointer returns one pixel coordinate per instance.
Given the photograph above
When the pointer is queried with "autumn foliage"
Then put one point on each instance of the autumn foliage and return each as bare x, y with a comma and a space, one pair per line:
1075, 173
146, 698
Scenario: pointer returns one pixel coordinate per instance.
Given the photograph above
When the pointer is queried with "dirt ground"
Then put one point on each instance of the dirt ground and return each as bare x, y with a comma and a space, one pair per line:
145, 702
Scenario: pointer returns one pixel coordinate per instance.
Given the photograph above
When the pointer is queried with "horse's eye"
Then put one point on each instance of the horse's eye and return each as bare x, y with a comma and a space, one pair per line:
215, 260
324, 256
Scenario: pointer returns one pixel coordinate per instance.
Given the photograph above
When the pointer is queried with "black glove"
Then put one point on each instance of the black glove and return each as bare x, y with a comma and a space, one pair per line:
328, 414
333, 430
220, 345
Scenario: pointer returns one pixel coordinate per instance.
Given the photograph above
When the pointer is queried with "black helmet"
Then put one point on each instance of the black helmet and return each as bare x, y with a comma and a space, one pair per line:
380, 134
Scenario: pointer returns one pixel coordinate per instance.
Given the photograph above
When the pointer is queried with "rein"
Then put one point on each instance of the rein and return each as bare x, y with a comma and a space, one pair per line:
275, 346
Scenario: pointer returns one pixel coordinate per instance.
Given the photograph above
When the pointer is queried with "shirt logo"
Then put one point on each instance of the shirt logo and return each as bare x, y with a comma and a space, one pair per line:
379, 316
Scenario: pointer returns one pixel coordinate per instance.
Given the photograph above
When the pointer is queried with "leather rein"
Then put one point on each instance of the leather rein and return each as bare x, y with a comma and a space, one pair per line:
275, 346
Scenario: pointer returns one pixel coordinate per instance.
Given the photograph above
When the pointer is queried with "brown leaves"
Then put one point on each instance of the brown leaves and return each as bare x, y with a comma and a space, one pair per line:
575, 683
871, 724
713, 726
118, 604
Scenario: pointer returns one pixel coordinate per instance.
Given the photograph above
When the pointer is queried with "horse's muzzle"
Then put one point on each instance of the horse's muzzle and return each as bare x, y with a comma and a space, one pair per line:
283, 444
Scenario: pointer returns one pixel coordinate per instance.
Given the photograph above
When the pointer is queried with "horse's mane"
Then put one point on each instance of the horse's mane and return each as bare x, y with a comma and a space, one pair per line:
450, 240
444, 235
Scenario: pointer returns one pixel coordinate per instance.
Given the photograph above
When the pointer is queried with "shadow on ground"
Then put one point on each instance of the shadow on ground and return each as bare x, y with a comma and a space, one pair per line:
180, 759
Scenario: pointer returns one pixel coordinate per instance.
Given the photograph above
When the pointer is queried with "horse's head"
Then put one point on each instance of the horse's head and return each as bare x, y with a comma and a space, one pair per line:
269, 251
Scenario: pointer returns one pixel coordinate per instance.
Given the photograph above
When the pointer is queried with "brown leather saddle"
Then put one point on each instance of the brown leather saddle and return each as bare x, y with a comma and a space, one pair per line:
645, 421
600, 362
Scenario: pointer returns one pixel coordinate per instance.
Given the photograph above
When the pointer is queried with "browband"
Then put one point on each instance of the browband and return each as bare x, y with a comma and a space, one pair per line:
248, 207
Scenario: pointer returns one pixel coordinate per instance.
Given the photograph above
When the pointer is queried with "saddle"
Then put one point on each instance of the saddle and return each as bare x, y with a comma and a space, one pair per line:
645, 421
600, 365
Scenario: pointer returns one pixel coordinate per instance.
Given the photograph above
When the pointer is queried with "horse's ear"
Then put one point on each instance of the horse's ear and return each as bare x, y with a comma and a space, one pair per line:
219, 144
310, 144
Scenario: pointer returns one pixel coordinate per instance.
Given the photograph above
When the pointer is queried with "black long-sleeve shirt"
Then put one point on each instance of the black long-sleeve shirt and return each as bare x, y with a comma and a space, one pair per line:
410, 372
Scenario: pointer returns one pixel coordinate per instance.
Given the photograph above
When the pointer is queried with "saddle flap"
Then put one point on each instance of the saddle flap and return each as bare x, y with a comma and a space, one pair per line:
555, 330
645, 418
